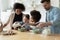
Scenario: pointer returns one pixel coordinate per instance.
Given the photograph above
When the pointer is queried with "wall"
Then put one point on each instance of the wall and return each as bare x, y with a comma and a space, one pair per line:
5, 4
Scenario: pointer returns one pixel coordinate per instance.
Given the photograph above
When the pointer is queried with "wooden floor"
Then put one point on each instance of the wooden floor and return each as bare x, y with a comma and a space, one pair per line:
28, 36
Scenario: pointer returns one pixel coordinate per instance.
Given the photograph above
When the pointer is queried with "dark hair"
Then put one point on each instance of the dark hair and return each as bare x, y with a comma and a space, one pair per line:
42, 1
35, 15
27, 16
19, 6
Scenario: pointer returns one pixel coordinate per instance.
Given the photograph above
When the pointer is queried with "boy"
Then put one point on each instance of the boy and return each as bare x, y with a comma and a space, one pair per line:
34, 21
35, 17
25, 22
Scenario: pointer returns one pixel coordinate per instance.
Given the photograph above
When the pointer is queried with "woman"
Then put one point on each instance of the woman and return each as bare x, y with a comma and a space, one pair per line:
17, 16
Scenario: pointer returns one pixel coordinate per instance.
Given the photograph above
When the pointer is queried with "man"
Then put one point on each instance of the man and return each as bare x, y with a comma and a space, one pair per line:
52, 17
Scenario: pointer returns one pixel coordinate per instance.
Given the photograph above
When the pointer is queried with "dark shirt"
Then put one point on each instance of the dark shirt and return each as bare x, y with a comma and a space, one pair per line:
18, 17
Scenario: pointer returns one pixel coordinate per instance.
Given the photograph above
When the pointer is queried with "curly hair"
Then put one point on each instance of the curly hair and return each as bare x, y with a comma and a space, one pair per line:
35, 15
19, 6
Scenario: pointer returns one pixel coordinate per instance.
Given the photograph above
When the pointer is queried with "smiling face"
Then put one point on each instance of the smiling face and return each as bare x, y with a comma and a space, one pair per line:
31, 20
18, 11
46, 5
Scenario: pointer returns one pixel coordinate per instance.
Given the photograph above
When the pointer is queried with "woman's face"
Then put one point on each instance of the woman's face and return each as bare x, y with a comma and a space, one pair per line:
18, 11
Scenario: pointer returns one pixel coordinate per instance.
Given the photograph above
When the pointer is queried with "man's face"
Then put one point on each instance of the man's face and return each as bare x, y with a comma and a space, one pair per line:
46, 5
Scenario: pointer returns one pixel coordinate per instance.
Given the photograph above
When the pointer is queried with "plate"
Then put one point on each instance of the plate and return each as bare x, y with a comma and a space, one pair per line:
8, 33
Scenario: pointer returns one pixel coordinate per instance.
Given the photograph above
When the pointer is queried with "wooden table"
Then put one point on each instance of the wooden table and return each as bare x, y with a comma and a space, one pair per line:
28, 36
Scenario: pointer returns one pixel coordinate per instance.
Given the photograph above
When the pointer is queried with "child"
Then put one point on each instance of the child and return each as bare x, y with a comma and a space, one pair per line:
25, 22
26, 18
34, 21
35, 17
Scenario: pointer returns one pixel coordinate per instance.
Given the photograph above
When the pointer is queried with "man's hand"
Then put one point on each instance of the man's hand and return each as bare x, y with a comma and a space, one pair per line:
41, 25
44, 24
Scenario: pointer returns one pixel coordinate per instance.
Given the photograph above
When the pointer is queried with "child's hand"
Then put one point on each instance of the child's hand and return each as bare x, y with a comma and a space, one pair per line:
23, 25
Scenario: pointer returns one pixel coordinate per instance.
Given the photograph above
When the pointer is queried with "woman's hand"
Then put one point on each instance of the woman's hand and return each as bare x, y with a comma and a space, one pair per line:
1, 27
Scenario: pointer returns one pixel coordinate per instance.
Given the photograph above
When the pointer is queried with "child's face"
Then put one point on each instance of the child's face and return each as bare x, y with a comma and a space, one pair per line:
31, 19
25, 19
